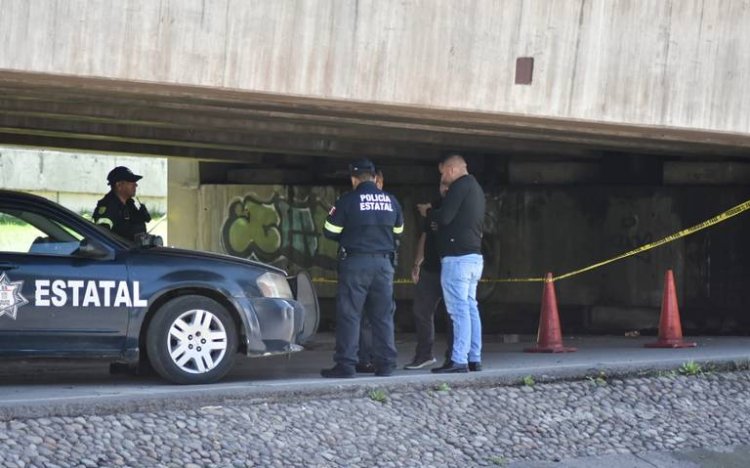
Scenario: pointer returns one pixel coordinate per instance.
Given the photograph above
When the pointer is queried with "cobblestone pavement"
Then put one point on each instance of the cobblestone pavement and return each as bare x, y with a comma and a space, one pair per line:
442, 426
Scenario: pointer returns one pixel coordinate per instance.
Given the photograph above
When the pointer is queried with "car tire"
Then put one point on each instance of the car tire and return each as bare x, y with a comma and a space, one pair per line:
192, 340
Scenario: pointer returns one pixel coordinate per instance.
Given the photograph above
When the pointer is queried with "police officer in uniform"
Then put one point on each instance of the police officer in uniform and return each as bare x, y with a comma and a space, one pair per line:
117, 210
365, 366
366, 222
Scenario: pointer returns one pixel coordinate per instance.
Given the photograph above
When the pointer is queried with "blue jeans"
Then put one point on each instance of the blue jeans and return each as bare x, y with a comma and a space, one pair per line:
459, 278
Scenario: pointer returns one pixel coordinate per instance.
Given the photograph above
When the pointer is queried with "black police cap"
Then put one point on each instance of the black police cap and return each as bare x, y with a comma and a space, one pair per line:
362, 166
121, 173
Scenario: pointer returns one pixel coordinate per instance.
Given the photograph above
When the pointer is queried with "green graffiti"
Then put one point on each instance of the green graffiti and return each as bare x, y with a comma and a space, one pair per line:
276, 229
253, 225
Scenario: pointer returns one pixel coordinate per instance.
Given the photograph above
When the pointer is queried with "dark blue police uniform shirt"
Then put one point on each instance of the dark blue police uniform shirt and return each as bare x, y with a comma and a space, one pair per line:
366, 220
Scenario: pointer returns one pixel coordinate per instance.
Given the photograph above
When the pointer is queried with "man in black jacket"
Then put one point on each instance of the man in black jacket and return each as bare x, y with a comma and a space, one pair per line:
459, 220
117, 210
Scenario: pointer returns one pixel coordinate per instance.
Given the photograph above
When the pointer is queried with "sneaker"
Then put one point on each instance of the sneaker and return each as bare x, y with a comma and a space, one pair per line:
337, 372
420, 363
366, 368
475, 366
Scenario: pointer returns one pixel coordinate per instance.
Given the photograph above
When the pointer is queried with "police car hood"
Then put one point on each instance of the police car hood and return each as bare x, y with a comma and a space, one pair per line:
170, 252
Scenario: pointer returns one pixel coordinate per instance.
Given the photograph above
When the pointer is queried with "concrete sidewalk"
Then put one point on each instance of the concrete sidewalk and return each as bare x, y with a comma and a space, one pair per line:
31, 388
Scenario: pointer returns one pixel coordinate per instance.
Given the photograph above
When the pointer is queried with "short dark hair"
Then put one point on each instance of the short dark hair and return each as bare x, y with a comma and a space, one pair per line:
452, 156
364, 177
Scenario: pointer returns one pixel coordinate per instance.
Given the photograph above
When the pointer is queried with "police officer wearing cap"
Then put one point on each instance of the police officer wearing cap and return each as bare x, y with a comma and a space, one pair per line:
117, 210
366, 222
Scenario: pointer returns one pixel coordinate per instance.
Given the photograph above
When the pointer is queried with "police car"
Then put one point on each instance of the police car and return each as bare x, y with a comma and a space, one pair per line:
69, 288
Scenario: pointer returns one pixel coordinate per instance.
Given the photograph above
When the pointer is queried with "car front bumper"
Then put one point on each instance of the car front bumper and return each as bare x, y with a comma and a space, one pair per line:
271, 325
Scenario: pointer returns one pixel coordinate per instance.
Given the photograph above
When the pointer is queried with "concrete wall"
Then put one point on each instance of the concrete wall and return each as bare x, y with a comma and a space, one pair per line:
676, 63
183, 204
528, 231
77, 181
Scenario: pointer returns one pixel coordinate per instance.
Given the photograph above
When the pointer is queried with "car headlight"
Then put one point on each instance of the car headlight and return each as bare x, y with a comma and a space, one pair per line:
274, 285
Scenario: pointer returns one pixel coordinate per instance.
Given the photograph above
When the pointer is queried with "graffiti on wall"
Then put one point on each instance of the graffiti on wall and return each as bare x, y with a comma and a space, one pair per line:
280, 231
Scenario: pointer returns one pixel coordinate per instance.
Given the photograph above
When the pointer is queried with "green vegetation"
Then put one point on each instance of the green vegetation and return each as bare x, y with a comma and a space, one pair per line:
378, 395
499, 461
442, 387
528, 381
690, 368
10, 220
600, 379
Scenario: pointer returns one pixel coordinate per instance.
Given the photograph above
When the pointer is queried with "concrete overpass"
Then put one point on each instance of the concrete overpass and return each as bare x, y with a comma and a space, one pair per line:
225, 80
556, 104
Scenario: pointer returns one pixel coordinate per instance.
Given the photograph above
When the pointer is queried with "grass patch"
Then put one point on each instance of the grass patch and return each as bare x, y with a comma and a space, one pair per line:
442, 387
499, 461
599, 379
528, 381
668, 374
690, 368
378, 395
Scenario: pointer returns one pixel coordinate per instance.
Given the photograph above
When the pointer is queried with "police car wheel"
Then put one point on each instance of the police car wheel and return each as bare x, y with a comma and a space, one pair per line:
192, 340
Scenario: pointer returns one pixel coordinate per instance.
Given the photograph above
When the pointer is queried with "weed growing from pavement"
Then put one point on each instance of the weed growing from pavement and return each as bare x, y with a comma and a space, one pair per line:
668, 374
528, 381
710, 368
442, 387
690, 368
378, 395
499, 461
600, 379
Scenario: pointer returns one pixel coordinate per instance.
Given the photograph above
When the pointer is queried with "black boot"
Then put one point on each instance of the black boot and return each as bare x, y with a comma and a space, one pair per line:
449, 367
337, 372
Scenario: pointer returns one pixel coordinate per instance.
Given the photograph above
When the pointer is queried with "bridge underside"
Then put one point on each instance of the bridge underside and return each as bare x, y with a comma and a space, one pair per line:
573, 192
305, 138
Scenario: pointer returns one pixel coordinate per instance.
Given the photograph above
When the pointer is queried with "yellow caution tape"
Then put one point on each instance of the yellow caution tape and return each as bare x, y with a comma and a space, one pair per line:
334, 281
742, 207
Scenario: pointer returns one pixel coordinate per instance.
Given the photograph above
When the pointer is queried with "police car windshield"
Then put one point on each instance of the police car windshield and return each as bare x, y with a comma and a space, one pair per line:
30, 232
70, 226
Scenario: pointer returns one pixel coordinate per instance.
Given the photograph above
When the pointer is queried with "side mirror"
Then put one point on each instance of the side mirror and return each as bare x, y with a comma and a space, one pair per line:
148, 240
90, 249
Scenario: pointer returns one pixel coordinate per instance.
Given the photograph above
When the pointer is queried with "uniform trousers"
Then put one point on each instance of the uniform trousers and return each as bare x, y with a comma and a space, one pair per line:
365, 287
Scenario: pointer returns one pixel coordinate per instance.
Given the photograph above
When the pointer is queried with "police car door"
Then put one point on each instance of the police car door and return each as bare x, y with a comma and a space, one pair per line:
54, 301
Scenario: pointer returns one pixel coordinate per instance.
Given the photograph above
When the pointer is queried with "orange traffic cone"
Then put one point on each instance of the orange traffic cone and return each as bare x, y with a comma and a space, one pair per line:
670, 329
549, 338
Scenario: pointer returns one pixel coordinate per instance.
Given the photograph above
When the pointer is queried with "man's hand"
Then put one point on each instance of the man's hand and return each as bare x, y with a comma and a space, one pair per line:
415, 273
423, 208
